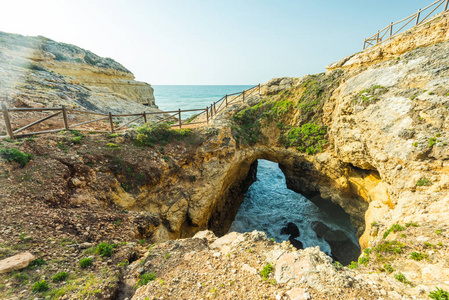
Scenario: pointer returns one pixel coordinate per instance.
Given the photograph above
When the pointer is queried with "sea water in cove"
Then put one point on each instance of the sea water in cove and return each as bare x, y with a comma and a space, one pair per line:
173, 97
268, 206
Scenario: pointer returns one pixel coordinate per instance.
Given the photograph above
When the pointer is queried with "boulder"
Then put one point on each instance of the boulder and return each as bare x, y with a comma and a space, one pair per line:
16, 262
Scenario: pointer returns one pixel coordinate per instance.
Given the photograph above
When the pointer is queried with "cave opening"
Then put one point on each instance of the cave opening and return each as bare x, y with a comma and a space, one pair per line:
271, 207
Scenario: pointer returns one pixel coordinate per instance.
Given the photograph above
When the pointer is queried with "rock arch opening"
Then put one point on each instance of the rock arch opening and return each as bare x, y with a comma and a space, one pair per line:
248, 204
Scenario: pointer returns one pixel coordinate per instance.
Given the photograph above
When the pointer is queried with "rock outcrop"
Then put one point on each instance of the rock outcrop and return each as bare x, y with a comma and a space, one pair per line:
41, 72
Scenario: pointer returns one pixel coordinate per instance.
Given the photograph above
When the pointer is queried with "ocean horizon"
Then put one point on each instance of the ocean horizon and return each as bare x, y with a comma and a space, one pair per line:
173, 97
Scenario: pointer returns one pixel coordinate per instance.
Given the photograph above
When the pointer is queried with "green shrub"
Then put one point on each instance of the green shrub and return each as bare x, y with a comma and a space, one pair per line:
387, 268
364, 260
146, 278
353, 265
439, 294
390, 247
267, 269
417, 256
37, 262
14, 155
35, 67
153, 134
40, 286
424, 182
394, 228
112, 146
104, 249
77, 139
85, 262
401, 278
61, 276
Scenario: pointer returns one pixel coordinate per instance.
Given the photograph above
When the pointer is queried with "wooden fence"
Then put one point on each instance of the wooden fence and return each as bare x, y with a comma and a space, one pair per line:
204, 116
394, 29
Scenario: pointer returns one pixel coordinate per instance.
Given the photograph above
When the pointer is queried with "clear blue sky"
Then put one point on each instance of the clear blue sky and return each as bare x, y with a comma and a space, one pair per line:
210, 41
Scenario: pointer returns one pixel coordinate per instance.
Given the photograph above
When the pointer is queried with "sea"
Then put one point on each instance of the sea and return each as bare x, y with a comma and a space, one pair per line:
173, 97
268, 204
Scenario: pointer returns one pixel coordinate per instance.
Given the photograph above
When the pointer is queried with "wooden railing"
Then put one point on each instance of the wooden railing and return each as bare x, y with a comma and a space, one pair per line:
174, 117
391, 31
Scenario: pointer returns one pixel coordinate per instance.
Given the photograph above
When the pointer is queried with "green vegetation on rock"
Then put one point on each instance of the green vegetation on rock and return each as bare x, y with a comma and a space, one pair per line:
439, 294
14, 155
267, 269
307, 138
146, 278
159, 134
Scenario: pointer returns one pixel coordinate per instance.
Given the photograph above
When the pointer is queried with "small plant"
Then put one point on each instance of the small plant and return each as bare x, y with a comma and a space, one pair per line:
123, 263
432, 141
167, 255
390, 247
14, 155
61, 276
415, 144
439, 294
353, 265
146, 278
338, 265
401, 278
367, 251
40, 286
413, 97
37, 262
429, 245
142, 242
388, 268
112, 146
417, 256
20, 277
414, 224
267, 269
364, 260
104, 249
394, 228
77, 139
424, 182
438, 231
85, 262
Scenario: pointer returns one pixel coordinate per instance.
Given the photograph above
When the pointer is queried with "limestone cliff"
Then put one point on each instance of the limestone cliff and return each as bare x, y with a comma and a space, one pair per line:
40, 70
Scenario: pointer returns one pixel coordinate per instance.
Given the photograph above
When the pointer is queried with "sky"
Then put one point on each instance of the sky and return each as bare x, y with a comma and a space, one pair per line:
210, 42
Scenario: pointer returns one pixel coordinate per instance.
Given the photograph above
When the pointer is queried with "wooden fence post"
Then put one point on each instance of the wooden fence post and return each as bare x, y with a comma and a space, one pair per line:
243, 94
259, 84
445, 5
211, 111
7, 121
144, 117
226, 97
64, 117
207, 115
417, 17
215, 109
377, 38
111, 122
179, 118
391, 29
